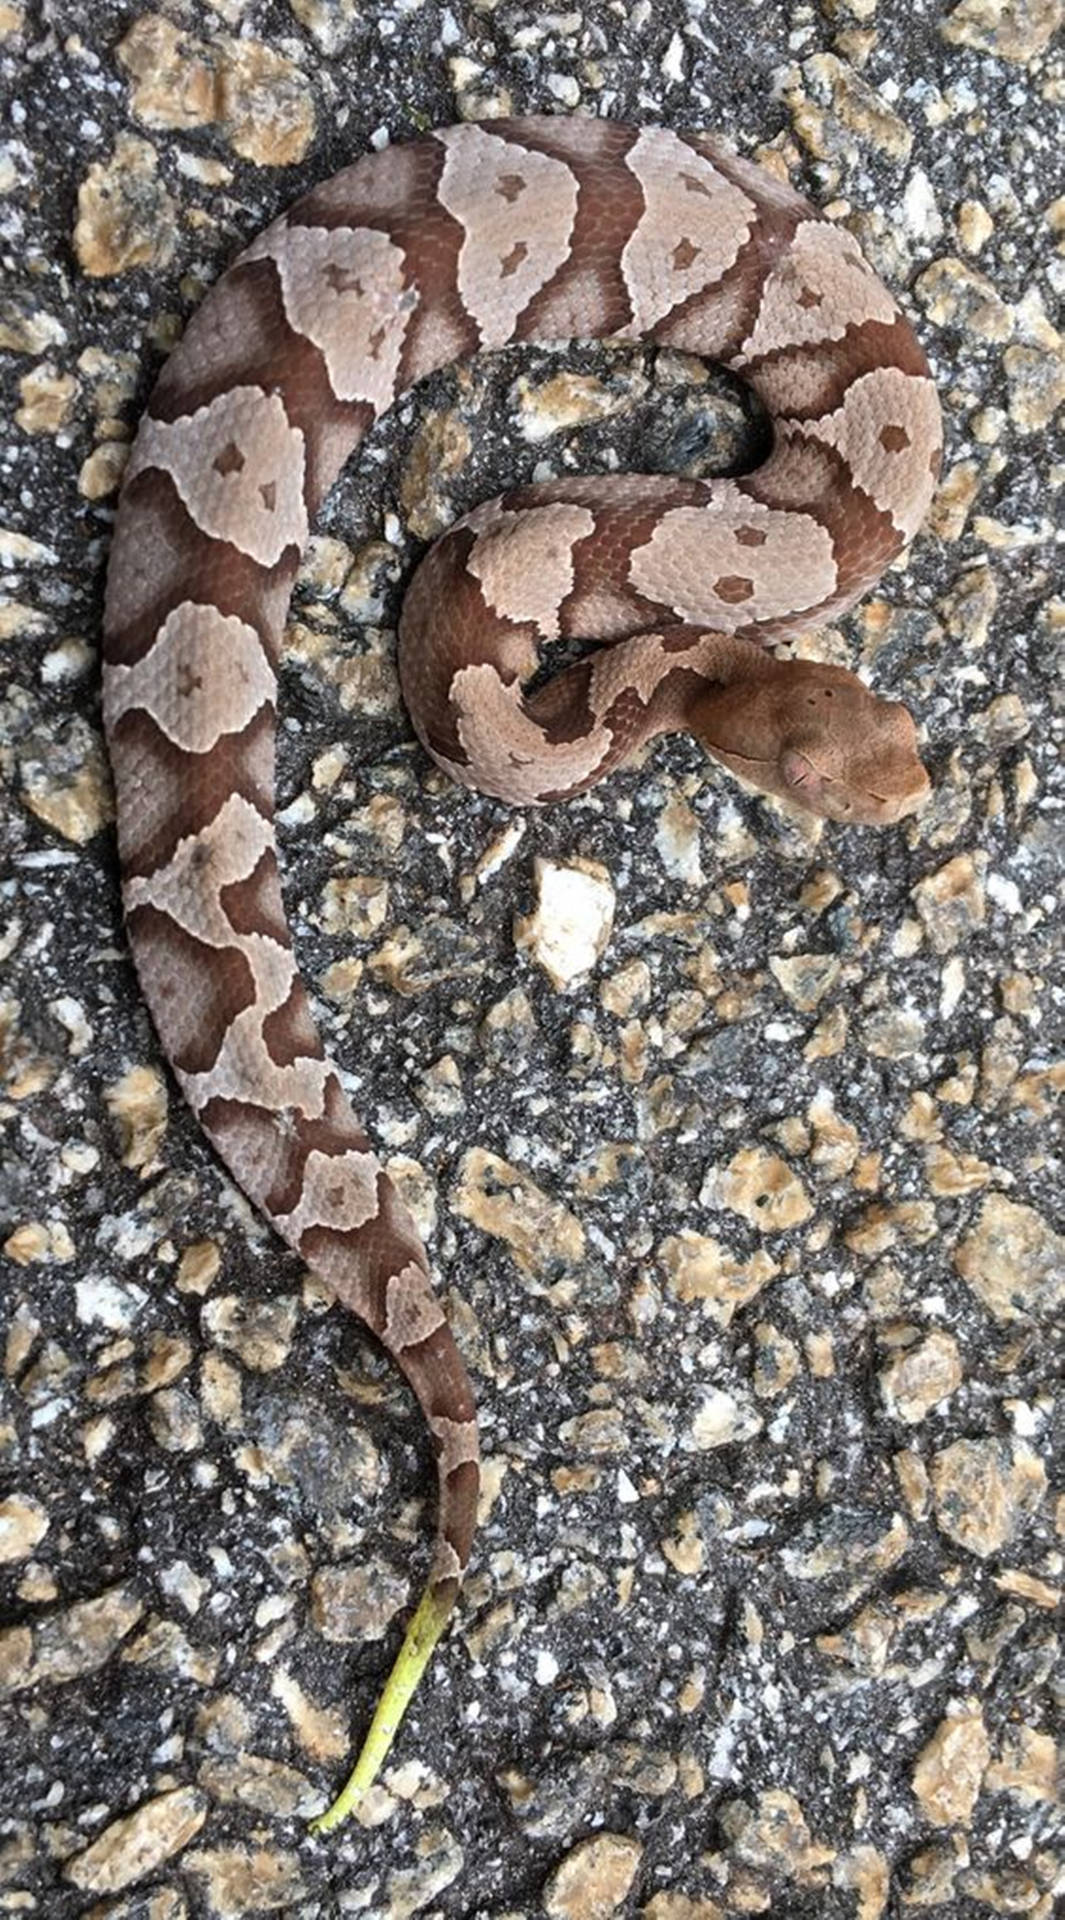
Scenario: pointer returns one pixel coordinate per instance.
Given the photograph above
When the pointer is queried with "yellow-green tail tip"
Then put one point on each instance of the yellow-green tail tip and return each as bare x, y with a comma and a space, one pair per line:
411, 1661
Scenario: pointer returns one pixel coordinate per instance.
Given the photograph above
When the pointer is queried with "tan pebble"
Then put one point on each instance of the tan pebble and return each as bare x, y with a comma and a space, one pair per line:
684, 1549
950, 1174
78, 1639
259, 1332
199, 1267
565, 400
330, 23
952, 901
953, 500
101, 472
169, 1355
165, 1647
504, 1202
136, 1846
1026, 1767
1027, 1587
440, 451
699, 1268
975, 225
950, 1769
598, 1433
914, 1484
866, 1871
23, 1525
29, 1244
1013, 1260
984, 1490
47, 400
835, 1145
221, 1392
265, 104
358, 1602
805, 978
174, 1422
955, 295
626, 991
761, 1187
126, 217
773, 1836
919, 1378
592, 1882
677, 839
723, 1420
265, 1785
340, 982
1036, 385
439, 1861
66, 784
175, 85
893, 1033
859, 107
571, 922
829, 1037
1016, 30
138, 1105
356, 904
240, 1880
31, 333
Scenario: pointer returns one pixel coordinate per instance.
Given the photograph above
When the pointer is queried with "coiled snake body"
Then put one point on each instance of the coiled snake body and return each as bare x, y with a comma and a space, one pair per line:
472, 238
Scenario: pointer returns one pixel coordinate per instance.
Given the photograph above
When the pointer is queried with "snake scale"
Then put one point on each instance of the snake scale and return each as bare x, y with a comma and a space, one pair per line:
475, 237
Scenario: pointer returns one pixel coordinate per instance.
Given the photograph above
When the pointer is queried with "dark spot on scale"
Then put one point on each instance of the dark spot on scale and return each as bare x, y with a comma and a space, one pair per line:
268, 496
339, 280
749, 536
809, 297
732, 588
509, 186
512, 260
230, 460
894, 439
685, 253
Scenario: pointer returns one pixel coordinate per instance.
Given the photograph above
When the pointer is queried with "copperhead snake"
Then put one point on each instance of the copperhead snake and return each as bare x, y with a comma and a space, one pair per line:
475, 237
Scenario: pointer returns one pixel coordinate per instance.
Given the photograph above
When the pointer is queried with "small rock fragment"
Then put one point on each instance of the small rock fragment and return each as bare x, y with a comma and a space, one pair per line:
259, 1332
570, 925
699, 1268
126, 217
265, 104
919, 1378
503, 1201
759, 1186
983, 1490
132, 1848
356, 1603
592, 1882
950, 1769
241, 1880
1016, 30
23, 1525
1013, 1260
952, 902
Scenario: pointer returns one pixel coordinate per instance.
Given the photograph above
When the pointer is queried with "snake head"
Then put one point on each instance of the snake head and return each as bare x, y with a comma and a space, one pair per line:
816, 735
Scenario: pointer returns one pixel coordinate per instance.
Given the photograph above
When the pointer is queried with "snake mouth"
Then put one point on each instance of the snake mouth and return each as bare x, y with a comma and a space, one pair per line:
795, 776
866, 806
